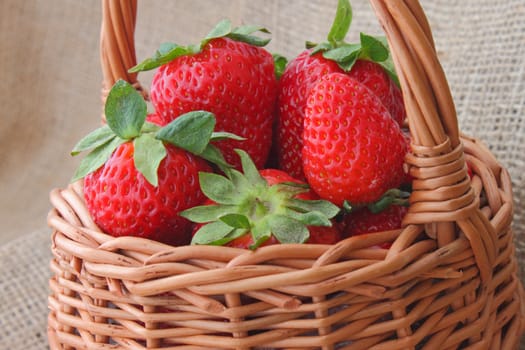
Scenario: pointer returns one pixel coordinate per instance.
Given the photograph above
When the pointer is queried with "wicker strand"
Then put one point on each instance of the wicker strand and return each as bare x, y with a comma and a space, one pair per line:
117, 45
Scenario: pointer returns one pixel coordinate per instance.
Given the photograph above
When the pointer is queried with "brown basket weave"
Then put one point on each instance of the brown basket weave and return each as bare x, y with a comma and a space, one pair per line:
448, 281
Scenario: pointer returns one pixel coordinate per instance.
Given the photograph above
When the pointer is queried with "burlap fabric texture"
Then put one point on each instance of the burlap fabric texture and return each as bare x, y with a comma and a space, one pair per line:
51, 78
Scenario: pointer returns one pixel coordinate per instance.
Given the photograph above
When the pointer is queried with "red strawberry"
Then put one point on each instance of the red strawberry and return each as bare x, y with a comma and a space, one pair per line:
353, 150
234, 80
155, 119
367, 62
294, 86
138, 176
363, 221
123, 203
374, 77
324, 234
260, 208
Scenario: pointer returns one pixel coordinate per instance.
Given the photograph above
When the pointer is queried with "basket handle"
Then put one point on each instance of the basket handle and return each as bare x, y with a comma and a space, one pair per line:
117, 44
437, 157
442, 196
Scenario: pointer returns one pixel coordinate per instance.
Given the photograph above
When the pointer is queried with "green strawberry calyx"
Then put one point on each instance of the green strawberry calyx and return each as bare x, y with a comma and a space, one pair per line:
393, 196
126, 113
244, 203
280, 63
170, 51
372, 48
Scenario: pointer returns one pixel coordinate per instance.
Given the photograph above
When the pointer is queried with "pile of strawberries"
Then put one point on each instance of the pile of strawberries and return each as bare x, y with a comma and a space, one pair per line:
246, 149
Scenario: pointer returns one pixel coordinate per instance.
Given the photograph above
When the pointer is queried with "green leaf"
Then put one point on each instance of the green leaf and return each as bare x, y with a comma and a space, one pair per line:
345, 55
341, 23
150, 127
318, 48
393, 196
288, 230
373, 48
280, 63
236, 220
223, 135
207, 213
249, 29
238, 232
249, 169
96, 158
213, 154
125, 110
243, 34
239, 181
310, 44
223, 28
327, 208
166, 53
94, 139
191, 131
212, 233
261, 232
148, 153
292, 188
388, 64
217, 188
313, 218
347, 206
249, 39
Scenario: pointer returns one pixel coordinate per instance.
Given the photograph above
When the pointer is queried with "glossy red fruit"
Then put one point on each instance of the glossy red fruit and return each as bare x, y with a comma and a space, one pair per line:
295, 85
123, 203
155, 119
353, 150
374, 77
235, 81
298, 79
363, 221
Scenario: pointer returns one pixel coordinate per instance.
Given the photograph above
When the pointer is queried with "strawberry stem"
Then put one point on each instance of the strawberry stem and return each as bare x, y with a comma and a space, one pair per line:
341, 23
393, 196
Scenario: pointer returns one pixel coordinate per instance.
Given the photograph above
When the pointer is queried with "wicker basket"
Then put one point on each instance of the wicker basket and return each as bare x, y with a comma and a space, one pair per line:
448, 281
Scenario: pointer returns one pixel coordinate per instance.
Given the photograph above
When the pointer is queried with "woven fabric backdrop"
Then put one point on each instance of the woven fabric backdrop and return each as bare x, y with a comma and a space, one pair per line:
50, 80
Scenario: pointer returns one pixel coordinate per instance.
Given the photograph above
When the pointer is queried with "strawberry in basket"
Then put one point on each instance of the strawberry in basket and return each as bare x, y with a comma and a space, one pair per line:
368, 62
383, 215
138, 176
255, 208
353, 150
228, 74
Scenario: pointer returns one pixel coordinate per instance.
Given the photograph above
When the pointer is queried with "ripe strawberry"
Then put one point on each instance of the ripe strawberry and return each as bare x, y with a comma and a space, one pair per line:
233, 79
363, 221
374, 77
123, 203
353, 150
367, 62
257, 208
139, 176
154, 118
294, 86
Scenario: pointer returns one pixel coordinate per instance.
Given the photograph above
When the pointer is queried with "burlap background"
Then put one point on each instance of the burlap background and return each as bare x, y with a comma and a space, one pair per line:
49, 97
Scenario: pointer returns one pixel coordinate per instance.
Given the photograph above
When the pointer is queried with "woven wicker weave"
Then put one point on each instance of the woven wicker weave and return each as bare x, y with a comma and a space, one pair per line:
448, 281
